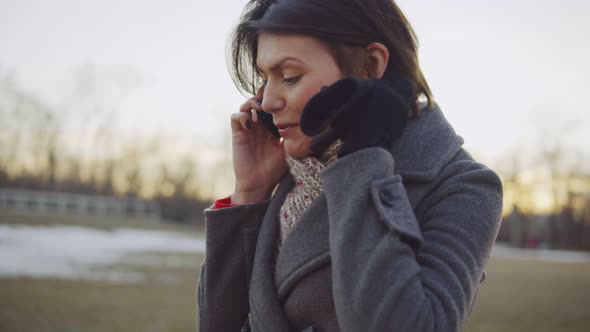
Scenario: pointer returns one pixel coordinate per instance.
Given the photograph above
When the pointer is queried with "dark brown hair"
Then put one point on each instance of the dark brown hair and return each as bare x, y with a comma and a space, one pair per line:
345, 25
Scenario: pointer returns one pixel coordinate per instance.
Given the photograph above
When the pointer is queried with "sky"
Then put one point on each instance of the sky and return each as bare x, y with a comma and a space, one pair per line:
493, 66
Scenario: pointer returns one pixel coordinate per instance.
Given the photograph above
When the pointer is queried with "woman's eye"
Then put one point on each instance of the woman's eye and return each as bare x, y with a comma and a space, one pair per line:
292, 80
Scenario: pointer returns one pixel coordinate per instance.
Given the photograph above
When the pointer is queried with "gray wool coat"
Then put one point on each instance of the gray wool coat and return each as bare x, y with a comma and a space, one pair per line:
397, 241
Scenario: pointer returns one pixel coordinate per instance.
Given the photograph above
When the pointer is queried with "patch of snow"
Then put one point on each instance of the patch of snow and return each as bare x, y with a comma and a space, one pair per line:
70, 252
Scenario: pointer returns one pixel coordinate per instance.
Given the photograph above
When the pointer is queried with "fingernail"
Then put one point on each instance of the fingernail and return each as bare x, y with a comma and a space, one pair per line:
248, 125
259, 102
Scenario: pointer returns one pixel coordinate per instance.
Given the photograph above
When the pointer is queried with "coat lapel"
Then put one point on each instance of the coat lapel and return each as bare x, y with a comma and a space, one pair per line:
306, 248
265, 308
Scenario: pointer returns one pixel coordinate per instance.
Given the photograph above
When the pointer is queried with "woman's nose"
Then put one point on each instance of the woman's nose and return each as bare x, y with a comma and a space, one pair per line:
272, 101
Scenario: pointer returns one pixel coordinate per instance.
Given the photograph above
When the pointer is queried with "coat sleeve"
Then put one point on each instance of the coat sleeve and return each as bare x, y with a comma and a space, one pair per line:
390, 272
231, 235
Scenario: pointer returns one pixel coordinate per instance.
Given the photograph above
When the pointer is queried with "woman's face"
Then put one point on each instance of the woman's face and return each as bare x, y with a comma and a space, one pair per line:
294, 68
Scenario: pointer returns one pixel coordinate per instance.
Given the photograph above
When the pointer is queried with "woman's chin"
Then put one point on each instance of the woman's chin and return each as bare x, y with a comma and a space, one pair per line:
296, 149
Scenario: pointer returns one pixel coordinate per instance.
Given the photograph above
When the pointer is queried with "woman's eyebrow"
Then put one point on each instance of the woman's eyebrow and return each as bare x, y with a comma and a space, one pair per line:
279, 64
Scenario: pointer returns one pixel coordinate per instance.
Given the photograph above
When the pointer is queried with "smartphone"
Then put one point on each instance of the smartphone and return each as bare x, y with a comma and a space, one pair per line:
265, 117
267, 122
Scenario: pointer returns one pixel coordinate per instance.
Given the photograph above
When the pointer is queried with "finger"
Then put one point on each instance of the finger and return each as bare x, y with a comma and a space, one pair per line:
255, 116
240, 120
249, 105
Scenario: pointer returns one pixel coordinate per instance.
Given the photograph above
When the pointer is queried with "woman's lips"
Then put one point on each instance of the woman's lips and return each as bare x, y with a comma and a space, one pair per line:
286, 130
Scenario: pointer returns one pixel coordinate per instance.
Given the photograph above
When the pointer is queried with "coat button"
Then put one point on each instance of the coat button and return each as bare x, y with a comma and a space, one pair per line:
386, 196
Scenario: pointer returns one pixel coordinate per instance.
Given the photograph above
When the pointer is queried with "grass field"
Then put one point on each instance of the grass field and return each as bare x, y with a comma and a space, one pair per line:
523, 295
163, 302
518, 295
109, 223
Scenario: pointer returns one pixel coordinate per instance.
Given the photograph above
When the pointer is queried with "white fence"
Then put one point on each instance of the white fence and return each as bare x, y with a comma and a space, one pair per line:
60, 203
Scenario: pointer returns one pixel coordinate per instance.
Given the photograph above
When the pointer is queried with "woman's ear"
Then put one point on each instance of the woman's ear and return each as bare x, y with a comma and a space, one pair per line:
378, 56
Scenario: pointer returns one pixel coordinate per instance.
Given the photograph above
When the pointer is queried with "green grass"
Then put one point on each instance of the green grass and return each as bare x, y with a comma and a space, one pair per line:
537, 296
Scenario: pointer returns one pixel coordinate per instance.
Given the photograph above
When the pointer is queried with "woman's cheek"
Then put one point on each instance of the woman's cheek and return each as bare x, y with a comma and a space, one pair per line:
306, 94
298, 146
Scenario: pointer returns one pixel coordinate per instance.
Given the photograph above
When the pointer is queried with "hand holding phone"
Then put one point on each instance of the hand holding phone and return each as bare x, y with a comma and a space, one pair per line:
258, 158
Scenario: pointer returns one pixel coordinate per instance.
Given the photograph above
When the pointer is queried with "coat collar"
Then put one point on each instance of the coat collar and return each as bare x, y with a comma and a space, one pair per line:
427, 144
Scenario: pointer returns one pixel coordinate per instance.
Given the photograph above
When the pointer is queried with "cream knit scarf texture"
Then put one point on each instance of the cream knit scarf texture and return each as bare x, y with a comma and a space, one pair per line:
306, 172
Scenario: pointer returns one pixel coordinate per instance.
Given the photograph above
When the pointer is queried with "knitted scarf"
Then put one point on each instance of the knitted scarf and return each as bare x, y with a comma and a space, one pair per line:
306, 172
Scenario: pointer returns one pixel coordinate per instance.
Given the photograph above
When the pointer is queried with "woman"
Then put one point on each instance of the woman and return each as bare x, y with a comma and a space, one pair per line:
368, 215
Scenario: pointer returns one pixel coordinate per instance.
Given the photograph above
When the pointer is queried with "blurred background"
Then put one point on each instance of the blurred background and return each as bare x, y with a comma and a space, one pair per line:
114, 136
